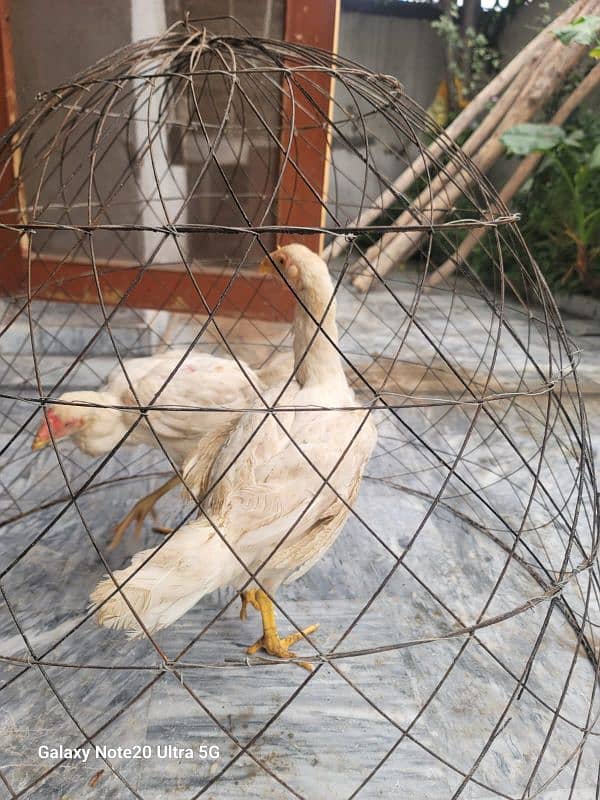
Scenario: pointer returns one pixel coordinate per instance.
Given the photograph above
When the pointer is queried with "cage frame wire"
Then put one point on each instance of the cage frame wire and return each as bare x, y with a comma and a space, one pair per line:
477, 392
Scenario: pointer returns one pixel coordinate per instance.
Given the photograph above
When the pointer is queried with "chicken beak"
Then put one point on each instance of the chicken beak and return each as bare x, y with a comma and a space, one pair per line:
42, 437
61, 428
266, 267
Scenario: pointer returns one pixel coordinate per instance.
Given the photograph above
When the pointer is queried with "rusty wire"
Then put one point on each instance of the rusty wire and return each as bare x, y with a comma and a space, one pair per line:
100, 161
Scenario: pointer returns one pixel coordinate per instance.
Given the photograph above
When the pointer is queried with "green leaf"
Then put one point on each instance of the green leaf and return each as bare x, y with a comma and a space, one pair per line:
585, 30
574, 139
595, 52
530, 137
594, 162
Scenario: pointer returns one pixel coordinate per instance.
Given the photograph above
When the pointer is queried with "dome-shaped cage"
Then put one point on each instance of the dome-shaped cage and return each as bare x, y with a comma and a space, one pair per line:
457, 654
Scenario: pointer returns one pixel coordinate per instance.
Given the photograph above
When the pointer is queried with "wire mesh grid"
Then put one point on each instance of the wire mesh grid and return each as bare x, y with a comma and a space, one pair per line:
457, 654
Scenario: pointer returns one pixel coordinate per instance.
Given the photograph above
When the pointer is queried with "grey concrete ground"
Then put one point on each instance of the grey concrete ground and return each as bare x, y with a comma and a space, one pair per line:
513, 705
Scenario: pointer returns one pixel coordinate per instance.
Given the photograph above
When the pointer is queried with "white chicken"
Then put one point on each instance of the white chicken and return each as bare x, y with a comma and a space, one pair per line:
199, 381
284, 483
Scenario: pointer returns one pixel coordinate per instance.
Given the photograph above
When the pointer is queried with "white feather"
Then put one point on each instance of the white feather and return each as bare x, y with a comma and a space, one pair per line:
194, 562
217, 386
270, 495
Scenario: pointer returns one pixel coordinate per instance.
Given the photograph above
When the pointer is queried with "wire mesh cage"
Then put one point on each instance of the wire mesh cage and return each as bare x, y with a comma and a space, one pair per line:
457, 654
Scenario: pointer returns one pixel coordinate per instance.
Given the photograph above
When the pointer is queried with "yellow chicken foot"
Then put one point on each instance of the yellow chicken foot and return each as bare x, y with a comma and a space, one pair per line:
140, 511
248, 596
270, 640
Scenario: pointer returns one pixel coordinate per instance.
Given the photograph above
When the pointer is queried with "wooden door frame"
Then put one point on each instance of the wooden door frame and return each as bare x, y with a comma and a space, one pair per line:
12, 266
311, 22
315, 24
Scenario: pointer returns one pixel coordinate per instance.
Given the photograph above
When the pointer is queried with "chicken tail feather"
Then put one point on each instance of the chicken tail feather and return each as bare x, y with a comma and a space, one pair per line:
163, 583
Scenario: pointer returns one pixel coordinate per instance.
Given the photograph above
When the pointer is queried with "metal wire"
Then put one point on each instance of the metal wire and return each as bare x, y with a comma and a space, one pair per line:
187, 150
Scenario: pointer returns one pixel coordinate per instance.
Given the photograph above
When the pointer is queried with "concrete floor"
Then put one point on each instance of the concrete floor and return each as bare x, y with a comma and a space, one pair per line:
411, 721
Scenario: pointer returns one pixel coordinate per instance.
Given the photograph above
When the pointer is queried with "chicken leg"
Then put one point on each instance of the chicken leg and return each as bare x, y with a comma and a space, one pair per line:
270, 640
140, 511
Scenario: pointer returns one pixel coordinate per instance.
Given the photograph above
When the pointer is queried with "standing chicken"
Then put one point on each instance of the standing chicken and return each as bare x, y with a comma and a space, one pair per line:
194, 380
284, 483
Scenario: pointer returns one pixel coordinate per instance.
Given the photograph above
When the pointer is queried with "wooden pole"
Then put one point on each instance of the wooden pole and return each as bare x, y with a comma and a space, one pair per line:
459, 125
540, 85
303, 189
519, 176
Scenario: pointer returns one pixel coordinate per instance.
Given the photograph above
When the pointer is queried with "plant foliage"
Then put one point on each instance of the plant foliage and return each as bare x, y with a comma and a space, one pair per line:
560, 204
584, 30
529, 137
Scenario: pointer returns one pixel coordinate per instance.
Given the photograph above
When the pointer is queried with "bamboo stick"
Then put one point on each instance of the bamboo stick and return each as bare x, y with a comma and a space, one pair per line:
519, 176
541, 83
423, 207
459, 125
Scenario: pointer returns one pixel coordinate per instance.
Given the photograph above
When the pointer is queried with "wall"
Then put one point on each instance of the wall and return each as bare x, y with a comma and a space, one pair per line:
53, 41
408, 49
52, 48
527, 21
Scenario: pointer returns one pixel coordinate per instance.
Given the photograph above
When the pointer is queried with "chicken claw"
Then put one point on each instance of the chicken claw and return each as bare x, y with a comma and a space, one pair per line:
270, 641
248, 596
140, 511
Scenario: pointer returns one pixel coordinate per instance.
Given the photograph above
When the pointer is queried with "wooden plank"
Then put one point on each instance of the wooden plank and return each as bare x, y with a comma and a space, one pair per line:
304, 186
12, 267
250, 294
